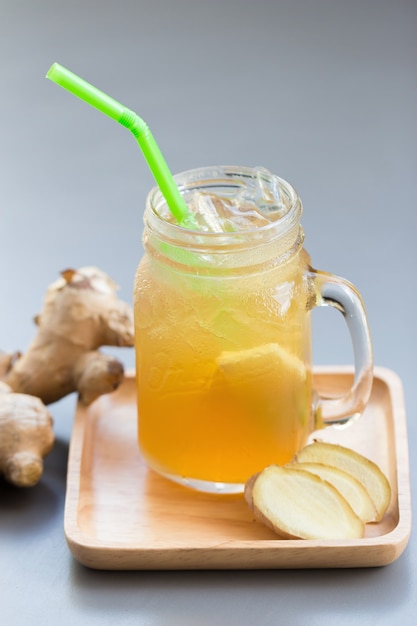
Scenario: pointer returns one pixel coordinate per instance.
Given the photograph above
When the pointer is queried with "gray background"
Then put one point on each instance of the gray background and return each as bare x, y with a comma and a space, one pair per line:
322, 93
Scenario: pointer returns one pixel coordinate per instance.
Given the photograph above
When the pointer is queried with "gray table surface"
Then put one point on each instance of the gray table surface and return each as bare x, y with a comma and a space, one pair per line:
321, 92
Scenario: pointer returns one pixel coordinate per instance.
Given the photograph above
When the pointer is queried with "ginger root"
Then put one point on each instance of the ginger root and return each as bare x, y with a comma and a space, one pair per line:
81, 313
355, 464
348, 485
26, 436
299, 505
328, 491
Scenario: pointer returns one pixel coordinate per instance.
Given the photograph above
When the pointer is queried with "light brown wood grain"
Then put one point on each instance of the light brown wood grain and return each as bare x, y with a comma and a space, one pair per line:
121, 515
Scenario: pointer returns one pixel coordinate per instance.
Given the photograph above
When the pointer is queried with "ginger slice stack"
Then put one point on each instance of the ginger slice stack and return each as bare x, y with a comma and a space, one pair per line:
327, 492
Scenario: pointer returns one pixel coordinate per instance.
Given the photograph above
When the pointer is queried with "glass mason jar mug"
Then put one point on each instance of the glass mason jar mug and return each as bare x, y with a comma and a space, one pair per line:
223, 332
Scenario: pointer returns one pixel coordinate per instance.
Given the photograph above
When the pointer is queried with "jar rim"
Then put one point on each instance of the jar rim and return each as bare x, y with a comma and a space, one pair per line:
215, 176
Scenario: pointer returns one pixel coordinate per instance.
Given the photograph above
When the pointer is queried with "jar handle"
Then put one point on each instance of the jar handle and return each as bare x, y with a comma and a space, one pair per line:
342, 295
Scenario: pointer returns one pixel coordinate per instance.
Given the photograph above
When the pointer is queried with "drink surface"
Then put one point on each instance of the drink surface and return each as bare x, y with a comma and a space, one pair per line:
223, 368
243, 203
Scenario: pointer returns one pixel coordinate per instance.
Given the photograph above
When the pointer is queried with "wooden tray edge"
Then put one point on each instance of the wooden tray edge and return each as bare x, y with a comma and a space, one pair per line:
91, 553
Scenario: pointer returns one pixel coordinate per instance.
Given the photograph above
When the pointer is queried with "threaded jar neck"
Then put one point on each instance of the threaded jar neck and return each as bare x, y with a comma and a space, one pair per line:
276, 240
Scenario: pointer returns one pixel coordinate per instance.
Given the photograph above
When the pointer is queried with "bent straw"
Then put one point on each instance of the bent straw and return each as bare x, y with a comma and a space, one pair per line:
107, 105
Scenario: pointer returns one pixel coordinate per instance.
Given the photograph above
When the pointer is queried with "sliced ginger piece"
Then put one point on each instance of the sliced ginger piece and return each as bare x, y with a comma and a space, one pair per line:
259, 362
300, 505
350, 488
363, 469
258, 376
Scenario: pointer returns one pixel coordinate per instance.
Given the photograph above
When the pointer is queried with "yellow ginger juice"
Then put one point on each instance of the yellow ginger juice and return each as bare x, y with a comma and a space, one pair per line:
223, 367
222, 308
222, 330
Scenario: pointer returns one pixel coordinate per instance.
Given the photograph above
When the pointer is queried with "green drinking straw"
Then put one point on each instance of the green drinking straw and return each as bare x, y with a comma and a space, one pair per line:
157, 164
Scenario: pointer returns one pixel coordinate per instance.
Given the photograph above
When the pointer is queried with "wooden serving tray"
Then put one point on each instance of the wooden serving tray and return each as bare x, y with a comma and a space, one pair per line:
121, 515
